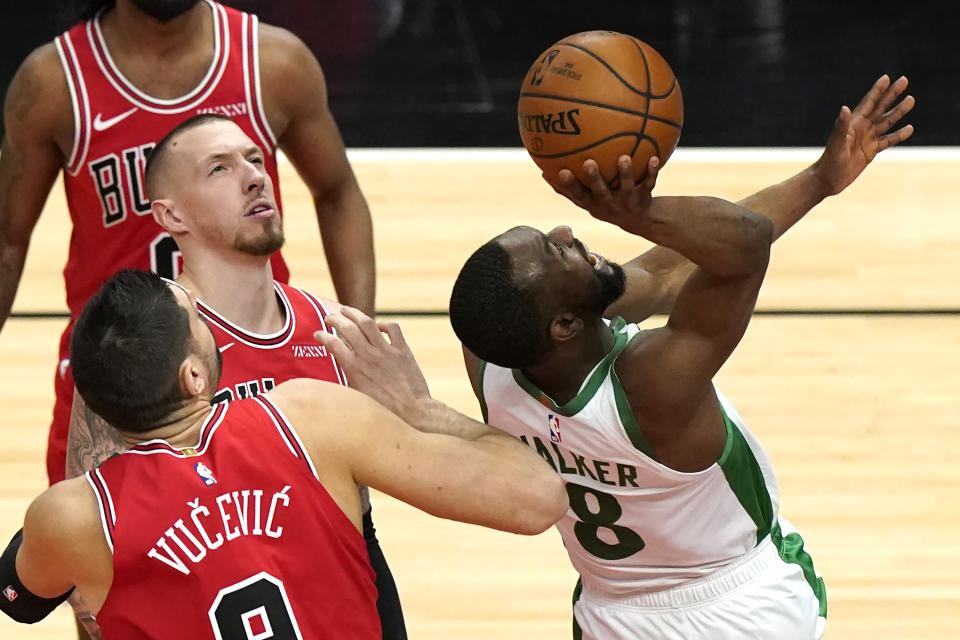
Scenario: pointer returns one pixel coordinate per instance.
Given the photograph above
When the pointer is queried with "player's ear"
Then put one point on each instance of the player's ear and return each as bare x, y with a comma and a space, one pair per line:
191, 376
165, 215
565, 326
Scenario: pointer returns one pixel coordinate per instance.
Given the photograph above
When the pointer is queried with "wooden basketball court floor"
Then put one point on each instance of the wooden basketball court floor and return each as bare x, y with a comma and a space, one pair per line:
859, 411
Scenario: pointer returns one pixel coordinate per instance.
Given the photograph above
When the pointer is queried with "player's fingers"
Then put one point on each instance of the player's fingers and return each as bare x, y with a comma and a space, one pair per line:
891, 117
868, 101
348, 331
392, 329
893, 91
367, 325
568, 186
334, 345
595, 181
625, 168
653, 170
895, 138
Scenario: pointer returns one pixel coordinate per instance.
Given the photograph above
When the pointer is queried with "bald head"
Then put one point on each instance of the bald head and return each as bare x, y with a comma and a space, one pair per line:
157, 168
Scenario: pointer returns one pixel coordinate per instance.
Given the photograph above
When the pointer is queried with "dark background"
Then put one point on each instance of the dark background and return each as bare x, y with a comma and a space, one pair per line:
447, 72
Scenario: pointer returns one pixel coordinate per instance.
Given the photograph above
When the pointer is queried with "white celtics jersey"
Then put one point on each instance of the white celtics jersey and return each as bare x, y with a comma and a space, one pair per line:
634, 525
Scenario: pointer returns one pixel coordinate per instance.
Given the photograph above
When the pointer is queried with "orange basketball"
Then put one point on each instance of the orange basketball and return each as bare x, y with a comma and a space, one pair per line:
599, 95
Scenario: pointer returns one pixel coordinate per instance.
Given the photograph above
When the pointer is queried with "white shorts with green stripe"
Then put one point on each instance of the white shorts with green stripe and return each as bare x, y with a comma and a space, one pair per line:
772, 593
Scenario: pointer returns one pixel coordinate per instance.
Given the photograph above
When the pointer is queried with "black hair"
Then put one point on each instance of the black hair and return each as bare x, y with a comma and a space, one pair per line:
126, 350
495, 318
155, 157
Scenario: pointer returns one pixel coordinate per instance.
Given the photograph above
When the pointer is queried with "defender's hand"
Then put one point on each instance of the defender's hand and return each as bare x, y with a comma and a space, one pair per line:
384, 370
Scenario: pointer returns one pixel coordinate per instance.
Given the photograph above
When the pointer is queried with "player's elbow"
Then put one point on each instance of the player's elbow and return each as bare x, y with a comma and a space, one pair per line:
759, 238
547, 502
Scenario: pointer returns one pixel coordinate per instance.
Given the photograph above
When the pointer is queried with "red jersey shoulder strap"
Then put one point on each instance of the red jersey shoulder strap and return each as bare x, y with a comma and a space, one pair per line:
287, 433
79, 98
250, 31
108, 516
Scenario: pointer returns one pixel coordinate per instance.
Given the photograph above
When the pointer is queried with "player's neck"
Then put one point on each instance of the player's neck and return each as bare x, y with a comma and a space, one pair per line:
561, 373
126, 29
182, 427
241, 290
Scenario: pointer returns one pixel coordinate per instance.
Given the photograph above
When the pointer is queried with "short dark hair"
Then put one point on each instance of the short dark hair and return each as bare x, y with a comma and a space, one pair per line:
495, 318
126, 350
156, 155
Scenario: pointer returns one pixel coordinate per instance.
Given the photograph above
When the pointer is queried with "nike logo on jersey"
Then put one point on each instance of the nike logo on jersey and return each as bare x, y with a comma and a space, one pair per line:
99, 124
226, 346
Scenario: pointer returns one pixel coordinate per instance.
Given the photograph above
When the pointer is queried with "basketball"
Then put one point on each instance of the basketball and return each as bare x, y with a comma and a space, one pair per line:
599, 95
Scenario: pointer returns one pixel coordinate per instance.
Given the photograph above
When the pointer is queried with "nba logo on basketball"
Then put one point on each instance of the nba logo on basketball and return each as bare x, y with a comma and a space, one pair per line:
205, 474
553, 422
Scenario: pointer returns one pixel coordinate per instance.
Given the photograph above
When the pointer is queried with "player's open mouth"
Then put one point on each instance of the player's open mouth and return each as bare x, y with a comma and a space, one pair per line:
260, 211
597, 260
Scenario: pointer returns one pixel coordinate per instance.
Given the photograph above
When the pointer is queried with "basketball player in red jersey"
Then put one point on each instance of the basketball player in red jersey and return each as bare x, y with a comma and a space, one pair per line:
259, 496
98, 98
210, 191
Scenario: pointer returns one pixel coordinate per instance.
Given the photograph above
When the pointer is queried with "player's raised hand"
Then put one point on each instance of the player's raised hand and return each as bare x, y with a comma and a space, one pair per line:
859, 135
624, 207
383, 369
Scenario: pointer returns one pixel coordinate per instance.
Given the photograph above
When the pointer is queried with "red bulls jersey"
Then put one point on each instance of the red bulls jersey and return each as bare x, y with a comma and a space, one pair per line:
115, 127
254, 364
230, 539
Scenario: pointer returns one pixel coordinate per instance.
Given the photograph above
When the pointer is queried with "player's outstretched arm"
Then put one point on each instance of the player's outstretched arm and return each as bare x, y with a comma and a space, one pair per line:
295, 99
379, 363
487, 478
36, 102
655, 277
667, 371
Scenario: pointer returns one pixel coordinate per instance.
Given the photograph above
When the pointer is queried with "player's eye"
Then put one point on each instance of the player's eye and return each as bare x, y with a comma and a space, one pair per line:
256, 160
218, 169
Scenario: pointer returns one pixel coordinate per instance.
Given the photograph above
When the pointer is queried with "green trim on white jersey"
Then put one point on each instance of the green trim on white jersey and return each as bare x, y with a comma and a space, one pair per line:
746, 479
635, 524
590, 387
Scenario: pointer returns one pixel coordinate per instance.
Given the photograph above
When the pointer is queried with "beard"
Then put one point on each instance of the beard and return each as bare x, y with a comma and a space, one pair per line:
612, 286
269, 241
164, 10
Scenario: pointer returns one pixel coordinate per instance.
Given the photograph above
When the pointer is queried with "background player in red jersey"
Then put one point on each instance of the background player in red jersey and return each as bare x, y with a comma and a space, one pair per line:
145, 360
211, 192
93, 104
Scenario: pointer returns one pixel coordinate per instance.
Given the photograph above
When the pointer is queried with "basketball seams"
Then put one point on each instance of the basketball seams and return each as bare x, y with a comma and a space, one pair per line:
609, 93
623, 134
648, 94
601, 105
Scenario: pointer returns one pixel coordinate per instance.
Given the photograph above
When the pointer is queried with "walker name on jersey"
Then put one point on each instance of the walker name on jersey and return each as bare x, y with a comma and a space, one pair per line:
244, 390
615, 474
229, 110
118, 179
230, 516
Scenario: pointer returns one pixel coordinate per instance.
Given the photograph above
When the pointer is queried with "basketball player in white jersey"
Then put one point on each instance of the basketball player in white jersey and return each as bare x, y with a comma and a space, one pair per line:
673, 522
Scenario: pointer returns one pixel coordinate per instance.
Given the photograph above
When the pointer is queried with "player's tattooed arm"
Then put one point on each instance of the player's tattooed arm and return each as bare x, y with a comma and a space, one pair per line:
84, 618
91, 441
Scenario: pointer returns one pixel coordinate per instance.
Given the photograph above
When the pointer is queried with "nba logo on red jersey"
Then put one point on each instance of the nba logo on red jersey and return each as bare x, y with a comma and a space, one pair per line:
205, 474
553, 422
